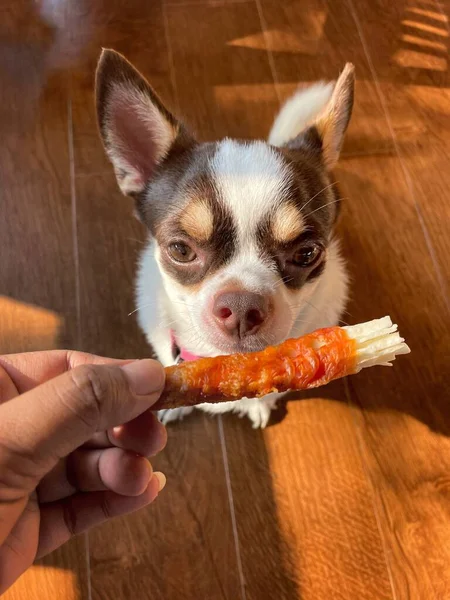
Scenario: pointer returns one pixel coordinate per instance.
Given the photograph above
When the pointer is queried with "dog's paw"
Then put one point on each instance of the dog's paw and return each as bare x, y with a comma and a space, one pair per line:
258, 409
174, 414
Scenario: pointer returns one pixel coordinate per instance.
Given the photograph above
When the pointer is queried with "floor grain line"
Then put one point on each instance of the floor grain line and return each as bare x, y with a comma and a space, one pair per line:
269, 51
173, 75
88, 565
73, 202
223, 445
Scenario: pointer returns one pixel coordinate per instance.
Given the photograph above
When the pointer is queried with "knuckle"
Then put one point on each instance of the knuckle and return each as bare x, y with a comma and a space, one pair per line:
92, 392
105, 506
99, 391
70, 517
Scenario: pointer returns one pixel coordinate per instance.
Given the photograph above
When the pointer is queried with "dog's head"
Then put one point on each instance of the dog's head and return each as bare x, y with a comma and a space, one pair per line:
241, 228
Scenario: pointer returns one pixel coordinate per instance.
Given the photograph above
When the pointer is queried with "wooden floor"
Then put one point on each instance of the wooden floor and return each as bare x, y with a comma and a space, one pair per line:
348, 495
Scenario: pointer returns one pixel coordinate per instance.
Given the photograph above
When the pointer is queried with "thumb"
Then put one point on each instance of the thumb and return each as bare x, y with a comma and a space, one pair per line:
50, 421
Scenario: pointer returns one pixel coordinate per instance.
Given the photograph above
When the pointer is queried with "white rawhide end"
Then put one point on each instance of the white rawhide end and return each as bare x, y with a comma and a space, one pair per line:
378, 342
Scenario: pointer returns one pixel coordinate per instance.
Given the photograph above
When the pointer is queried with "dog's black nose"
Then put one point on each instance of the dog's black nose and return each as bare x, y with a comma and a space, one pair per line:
240, 314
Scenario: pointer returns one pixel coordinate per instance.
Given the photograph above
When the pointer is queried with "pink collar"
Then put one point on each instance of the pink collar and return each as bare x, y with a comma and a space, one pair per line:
180, 354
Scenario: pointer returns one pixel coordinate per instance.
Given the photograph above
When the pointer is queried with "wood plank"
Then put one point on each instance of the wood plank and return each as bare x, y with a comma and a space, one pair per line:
304, 510
137, 30
109, 241
384, 221
38, 277
182, 546
33, 108
408, 47
224, 84
311, 41
408, 478
406, 414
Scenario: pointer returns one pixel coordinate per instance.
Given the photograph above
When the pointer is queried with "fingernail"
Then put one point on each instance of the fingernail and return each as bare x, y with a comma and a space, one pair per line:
146, 376
161, 479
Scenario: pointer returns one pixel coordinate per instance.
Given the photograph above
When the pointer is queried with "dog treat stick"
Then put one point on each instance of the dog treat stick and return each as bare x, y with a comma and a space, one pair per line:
297, 364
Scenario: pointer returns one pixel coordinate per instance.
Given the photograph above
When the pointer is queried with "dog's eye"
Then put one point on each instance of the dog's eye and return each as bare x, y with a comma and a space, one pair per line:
181, 252
306, 256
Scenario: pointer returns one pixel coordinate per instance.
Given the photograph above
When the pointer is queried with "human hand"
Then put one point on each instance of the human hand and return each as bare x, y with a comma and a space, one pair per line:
74, 433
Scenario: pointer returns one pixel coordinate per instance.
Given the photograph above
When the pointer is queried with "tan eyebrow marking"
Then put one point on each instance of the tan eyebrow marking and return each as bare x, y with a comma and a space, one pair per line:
197, 220
287, 223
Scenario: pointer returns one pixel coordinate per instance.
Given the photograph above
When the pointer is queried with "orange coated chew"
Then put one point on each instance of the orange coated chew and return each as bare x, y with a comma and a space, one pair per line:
296, 364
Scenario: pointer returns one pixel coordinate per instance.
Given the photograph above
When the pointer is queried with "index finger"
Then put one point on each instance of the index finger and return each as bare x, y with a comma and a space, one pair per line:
29, 369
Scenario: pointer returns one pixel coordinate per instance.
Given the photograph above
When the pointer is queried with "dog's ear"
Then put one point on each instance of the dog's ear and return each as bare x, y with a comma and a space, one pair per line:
137, 130
318, 117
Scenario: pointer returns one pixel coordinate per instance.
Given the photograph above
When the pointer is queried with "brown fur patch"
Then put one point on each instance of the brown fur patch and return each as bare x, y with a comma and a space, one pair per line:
313, 199
287, 223
202, 214
197, 220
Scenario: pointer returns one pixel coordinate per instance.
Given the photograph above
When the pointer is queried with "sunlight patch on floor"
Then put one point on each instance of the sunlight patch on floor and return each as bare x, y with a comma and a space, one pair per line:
26, 327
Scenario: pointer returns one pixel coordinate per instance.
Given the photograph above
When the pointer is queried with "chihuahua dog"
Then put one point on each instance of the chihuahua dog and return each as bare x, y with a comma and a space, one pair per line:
241, 251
